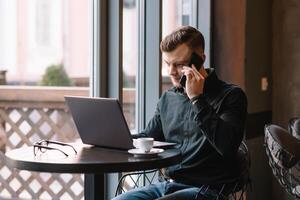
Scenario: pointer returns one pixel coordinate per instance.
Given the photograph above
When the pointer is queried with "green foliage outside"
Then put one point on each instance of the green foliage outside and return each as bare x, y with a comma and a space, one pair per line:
56, 75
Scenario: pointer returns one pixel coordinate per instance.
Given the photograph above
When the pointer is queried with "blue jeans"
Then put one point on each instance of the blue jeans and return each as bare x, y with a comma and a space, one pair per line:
167, 190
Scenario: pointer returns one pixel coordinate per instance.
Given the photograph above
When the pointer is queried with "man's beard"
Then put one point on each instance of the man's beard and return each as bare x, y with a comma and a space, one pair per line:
176, 82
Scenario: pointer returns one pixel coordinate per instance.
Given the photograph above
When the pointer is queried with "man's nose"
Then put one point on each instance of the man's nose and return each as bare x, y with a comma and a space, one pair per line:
172, 69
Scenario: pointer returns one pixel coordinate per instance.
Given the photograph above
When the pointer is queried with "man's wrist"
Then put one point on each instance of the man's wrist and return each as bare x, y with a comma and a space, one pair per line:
195, 99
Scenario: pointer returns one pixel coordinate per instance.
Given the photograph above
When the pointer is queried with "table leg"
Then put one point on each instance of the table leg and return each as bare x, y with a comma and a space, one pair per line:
94, 188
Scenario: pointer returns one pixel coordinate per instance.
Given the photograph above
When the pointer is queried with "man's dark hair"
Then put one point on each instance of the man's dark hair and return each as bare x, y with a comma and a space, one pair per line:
185, 34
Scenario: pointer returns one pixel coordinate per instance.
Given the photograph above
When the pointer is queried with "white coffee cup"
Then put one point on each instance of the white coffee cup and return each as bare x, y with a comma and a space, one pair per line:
144, 144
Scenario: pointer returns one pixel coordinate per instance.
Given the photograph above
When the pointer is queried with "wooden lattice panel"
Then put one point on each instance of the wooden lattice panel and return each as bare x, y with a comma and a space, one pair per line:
24, 126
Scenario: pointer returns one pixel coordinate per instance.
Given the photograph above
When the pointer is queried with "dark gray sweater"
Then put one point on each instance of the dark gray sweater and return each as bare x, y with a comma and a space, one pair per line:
208, 133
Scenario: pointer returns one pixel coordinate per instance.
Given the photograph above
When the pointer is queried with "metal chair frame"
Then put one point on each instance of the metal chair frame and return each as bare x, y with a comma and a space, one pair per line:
136, 178
294, 127
240, 184
283, 163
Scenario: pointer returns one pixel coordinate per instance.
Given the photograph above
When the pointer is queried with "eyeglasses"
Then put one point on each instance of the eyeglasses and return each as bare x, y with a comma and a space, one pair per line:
43, 145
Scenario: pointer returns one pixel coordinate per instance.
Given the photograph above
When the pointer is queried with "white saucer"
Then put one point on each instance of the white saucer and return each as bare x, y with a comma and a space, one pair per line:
139, 153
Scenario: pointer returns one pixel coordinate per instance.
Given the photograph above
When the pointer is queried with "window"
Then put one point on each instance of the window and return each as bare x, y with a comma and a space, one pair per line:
175, 13
43, 34
130, 61
42, 43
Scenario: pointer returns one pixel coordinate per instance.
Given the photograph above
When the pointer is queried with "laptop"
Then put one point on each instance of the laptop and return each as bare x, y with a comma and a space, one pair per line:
101, 122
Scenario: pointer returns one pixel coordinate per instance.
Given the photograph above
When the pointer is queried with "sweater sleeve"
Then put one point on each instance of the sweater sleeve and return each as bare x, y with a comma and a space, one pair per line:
224, 128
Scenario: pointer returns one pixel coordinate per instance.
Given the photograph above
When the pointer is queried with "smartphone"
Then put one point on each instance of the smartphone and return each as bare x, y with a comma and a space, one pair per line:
197, 61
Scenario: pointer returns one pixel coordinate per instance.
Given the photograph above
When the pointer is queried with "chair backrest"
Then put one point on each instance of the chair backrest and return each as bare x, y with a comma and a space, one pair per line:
294, 127
235, 189
283, 151
284, 147
240, 184
244, 163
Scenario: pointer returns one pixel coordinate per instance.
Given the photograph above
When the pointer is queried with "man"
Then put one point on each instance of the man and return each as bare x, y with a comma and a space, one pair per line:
206, 118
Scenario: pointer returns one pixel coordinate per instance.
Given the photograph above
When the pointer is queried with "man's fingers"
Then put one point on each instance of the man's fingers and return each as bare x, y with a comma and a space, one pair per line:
199, 75
196, 72
192, 72
188, 72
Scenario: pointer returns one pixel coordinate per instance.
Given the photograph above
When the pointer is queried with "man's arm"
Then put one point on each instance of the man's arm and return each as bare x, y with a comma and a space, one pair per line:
153, 129
224, 129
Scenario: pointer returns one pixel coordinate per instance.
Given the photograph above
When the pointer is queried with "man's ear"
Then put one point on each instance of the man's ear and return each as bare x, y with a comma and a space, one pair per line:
203, 56
200, 53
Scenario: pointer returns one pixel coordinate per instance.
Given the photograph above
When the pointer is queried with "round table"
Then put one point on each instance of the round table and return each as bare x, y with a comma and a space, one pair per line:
93, 161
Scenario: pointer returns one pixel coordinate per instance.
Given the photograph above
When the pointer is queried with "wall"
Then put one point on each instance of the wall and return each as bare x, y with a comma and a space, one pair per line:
242, 47
229, 40
258, 59
242, 43
258, 64
286, 60
286, 70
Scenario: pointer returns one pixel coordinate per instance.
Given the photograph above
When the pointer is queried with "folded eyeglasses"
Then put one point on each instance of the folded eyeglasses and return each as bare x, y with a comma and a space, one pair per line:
43, 145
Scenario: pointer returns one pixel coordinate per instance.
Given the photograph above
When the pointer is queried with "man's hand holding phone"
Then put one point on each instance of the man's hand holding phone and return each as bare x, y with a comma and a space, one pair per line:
192, 80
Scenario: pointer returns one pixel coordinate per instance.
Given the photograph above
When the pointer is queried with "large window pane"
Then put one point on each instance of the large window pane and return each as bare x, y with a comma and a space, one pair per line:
175, 13
130, 59
42, 42
36, 35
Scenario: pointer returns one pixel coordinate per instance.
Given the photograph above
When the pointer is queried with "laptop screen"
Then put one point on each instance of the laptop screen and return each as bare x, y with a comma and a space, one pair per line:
100, 121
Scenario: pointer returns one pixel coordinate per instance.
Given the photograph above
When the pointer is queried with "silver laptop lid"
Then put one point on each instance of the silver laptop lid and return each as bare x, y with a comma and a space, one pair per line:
100, 121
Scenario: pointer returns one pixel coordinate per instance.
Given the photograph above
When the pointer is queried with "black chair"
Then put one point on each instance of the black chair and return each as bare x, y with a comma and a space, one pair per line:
283, 151
231, 189
294, 127
132, 180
